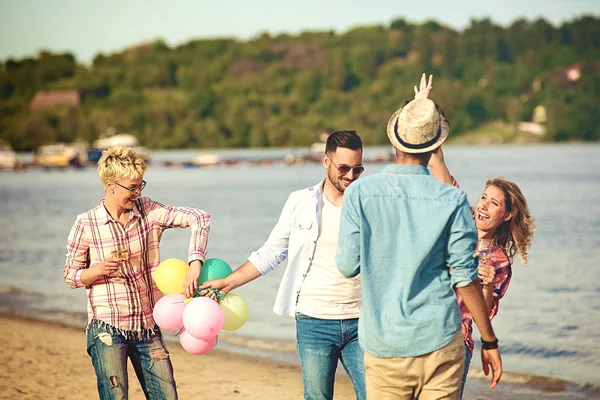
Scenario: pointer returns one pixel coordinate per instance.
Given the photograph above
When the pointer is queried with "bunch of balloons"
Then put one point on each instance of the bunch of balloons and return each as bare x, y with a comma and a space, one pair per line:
198, 319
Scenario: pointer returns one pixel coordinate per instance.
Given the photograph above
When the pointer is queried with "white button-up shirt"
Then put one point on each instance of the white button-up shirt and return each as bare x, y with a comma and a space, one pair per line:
295, 236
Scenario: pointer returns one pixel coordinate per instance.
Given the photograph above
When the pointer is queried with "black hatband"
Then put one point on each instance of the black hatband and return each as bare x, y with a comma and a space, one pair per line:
417, 146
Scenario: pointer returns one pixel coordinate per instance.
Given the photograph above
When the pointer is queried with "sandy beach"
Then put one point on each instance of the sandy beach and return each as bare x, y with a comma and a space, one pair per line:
48, 361
45, 360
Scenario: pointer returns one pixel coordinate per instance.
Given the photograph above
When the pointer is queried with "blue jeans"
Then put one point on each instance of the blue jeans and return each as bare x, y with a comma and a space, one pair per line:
321, 343
468, 356
109, 350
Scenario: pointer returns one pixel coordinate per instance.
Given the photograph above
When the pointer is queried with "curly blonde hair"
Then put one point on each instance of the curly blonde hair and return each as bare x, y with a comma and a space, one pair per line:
515, 234
118, 163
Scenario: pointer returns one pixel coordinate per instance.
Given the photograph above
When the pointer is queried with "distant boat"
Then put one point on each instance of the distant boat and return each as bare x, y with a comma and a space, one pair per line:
317, 149
8, 158
61, 155
112, 139
206, 160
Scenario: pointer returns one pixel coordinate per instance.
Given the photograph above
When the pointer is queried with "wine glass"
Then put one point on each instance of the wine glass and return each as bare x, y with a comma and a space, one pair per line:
484, 248
122, 254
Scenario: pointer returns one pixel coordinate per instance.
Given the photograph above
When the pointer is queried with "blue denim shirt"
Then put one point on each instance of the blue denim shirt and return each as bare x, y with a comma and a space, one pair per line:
402, 230
295, 236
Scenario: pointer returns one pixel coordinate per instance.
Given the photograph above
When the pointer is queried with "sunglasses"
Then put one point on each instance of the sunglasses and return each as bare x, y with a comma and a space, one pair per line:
343, 169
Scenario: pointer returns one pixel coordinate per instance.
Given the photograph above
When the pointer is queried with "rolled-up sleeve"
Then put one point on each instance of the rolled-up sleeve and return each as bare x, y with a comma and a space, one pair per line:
182, 217
275, 249
77, 258
502, 279
462, 242
348, 252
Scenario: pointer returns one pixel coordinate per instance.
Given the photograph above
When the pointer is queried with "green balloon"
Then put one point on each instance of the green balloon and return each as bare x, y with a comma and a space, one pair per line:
213, 268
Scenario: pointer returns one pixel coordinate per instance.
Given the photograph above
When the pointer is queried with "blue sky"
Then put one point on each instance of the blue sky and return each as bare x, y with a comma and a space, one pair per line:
87, 27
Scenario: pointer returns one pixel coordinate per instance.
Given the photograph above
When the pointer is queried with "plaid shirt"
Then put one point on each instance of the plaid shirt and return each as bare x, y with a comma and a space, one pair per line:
125, 300
500, 261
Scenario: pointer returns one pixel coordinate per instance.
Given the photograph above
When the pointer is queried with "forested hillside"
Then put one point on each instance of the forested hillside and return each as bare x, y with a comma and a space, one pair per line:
284, 90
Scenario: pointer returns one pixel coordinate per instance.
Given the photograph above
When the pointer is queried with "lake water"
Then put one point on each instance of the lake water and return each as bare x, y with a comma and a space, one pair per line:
548, 323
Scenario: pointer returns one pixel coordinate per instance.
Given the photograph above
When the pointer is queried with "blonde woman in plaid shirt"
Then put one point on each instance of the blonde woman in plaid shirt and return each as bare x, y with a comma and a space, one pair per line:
112, 251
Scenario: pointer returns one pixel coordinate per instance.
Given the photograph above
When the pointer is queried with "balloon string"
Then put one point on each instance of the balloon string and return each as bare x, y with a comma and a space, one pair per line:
218, 295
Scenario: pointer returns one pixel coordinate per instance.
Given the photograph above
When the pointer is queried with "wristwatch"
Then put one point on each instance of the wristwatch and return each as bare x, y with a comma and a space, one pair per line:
489, 345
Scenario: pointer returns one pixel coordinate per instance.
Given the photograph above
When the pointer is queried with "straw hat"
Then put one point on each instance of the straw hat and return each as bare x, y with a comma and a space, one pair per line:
418, 127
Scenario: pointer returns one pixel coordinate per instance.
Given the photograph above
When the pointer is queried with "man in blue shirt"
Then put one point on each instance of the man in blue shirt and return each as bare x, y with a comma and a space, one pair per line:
412, 239
325, 304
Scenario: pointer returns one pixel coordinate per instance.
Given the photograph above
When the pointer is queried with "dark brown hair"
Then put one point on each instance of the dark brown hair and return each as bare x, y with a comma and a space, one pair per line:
343, 138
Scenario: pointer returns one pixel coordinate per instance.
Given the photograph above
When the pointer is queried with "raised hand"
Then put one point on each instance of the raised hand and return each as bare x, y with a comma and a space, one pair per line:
424, 87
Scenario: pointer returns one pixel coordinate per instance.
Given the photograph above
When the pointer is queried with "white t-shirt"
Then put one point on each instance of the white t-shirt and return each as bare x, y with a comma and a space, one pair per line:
326, 293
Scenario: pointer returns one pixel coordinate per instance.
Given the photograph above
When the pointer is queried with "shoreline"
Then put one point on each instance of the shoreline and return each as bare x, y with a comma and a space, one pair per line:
48, 358
287, 156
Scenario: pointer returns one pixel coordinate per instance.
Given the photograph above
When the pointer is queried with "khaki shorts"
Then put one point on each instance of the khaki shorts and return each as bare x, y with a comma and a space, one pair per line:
436, 375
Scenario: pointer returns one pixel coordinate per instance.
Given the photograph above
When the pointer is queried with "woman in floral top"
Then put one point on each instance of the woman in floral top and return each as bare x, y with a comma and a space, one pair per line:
504, 223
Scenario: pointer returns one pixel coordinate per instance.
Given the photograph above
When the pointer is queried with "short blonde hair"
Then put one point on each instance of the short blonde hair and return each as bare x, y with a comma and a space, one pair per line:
118, 163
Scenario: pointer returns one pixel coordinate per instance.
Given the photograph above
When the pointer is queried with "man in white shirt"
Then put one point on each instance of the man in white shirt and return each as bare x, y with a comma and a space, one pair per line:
325, 304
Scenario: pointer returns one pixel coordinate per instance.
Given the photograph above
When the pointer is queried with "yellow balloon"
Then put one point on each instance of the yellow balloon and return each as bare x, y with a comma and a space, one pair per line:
235, 309
188, 300
170, 276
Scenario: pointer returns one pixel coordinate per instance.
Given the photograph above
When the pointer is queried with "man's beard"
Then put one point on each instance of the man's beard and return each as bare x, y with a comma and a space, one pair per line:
337, 182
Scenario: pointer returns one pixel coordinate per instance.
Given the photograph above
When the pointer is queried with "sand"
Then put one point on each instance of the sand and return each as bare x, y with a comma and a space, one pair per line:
43, 360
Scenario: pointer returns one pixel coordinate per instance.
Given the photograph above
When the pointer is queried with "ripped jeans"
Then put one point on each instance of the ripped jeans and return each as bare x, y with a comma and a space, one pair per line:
109, 349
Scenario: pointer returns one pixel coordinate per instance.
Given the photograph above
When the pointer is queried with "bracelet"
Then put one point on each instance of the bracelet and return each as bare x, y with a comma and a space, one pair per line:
489, 345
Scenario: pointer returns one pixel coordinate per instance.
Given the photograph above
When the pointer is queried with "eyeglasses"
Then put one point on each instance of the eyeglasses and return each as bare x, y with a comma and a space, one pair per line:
134, 189
343, 169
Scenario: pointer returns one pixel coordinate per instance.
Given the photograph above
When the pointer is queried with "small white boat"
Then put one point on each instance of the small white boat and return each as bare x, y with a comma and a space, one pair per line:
8, 158
206, 160
317, 149
112, 139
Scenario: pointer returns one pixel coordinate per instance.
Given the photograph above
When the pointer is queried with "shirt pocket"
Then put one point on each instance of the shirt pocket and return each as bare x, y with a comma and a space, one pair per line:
304, 224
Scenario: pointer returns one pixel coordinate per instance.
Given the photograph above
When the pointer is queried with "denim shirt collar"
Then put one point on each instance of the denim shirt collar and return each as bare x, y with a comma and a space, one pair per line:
405, 169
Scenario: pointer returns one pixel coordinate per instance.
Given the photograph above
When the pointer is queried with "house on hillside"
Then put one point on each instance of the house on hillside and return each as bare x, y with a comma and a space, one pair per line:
569, 76
44, 100
572, 73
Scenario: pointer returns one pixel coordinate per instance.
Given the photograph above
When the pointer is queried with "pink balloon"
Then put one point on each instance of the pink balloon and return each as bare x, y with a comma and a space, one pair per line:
168, 312
203, 318
196, 346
